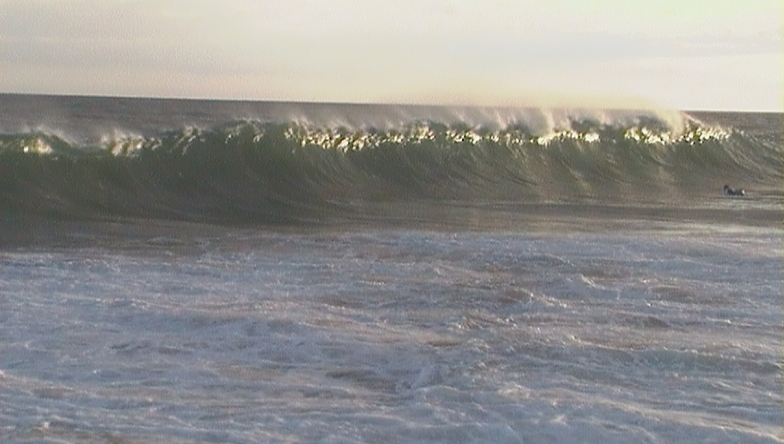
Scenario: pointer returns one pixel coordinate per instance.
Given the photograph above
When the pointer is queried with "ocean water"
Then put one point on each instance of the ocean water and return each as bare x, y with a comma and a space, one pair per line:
243, 272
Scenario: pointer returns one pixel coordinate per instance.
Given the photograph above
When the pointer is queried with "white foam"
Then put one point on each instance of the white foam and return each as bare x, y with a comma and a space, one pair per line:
340, 336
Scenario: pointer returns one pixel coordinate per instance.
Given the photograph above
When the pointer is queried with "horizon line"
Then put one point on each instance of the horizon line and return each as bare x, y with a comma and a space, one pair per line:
380, 103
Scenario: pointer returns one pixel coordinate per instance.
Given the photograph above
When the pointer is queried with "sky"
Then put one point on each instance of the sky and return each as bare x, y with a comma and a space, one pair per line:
678, 54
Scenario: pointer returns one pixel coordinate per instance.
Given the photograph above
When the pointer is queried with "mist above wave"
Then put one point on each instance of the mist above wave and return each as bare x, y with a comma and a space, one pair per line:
91, 119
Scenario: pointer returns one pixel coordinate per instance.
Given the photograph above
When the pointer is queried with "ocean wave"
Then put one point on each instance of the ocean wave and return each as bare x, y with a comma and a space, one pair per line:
257, 170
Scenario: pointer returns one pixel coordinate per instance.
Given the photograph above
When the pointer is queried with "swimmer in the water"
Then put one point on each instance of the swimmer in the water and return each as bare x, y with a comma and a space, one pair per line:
734, 192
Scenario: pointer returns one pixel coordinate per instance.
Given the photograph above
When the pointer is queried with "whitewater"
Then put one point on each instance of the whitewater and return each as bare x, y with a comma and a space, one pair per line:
181, 271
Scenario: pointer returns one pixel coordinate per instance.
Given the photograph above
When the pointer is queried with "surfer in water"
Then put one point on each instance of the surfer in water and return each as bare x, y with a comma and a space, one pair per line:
734, 192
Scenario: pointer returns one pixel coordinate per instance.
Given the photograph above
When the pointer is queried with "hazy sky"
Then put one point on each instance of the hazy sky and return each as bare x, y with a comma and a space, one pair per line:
685, 54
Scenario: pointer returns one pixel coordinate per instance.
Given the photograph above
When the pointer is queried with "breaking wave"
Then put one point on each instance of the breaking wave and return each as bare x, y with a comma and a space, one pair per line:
271, 171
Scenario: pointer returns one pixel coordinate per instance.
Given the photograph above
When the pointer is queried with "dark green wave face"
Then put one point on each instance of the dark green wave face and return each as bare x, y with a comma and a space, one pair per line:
276, 172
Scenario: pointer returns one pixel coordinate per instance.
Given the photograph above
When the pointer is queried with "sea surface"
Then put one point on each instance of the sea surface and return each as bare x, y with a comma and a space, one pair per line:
183, 271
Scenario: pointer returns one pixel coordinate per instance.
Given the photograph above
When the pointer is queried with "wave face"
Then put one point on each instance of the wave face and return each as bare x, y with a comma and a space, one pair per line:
278, 171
